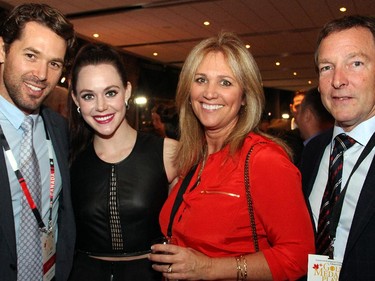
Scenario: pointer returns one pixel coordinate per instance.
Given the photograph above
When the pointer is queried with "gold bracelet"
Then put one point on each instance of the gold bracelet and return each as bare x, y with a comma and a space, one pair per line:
244, 275
241, 268
238, 268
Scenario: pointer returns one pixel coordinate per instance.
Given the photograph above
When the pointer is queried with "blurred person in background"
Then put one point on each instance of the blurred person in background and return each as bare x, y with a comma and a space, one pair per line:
312, 117
295, 107
288, 130
165, 120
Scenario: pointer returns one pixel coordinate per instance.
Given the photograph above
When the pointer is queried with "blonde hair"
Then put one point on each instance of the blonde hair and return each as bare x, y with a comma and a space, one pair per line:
246, 72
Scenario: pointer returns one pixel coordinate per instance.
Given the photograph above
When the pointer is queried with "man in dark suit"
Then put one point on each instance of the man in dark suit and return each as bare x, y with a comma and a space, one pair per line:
313, 118
36, 42
345, 59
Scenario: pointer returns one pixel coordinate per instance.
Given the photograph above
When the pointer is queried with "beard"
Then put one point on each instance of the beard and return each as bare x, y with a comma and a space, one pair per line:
18, 92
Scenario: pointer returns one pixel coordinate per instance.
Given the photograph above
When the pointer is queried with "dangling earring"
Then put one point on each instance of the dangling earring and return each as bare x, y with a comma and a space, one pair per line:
79, 110
127, 105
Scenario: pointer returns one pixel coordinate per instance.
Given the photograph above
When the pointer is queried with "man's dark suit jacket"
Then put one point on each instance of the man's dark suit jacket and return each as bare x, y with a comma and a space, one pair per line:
359, 257
57, 129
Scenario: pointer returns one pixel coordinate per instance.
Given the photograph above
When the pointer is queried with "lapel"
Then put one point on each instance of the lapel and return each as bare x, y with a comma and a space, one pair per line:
365, 209
6, 213
58, 135
311, 158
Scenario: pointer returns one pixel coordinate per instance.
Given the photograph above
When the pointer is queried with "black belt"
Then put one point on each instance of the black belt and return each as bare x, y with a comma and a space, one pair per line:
114, 255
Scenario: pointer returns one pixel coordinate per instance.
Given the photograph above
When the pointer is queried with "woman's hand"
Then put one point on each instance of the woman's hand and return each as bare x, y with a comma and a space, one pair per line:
180, 263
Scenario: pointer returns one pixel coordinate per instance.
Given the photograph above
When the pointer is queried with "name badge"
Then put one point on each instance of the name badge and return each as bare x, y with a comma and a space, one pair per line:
49, 255
322, 268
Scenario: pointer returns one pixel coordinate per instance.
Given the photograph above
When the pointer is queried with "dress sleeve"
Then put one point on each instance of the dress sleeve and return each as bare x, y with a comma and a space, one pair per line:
281, 209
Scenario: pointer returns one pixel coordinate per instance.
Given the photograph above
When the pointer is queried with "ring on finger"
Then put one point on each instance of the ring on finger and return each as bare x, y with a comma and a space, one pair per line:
169, 268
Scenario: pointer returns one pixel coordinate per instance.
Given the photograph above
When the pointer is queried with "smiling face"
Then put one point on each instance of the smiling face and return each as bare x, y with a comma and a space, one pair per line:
32, 66
216, 96
101, 95
346, 62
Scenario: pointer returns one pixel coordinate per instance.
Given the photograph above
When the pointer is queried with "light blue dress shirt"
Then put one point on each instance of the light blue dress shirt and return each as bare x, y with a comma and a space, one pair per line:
11, 119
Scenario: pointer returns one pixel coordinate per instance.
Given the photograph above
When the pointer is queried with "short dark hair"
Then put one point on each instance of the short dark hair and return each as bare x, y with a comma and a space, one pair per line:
344, 23
313, 101
13, 26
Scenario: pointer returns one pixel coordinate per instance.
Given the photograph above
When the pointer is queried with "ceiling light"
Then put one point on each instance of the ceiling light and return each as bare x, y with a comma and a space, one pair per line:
206, 23
96, 35
343, 9
285, 116
295, 73
309, 82
155, 54
277, 63
247, 46
140, 100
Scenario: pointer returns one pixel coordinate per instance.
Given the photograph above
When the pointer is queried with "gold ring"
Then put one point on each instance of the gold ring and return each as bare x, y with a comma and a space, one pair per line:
169, 269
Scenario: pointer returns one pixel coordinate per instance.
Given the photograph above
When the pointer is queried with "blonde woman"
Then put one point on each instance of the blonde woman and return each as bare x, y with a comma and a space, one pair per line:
220, 101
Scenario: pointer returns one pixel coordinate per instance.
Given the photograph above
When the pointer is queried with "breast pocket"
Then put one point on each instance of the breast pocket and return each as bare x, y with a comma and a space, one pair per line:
211, 213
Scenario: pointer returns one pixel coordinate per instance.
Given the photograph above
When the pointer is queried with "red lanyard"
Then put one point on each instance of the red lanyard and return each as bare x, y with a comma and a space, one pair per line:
25, 189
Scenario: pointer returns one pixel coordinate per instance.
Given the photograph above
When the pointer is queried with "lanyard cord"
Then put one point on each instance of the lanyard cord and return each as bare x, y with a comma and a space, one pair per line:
337, 208
23, 184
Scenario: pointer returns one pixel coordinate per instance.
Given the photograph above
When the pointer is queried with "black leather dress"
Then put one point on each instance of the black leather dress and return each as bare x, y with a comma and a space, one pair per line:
117, 205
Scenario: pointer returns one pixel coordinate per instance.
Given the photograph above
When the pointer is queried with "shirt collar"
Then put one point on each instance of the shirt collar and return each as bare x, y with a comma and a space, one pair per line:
13, 114
361, 133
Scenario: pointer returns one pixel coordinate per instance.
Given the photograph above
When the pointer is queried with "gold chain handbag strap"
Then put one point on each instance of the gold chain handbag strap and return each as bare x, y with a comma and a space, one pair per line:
249, 198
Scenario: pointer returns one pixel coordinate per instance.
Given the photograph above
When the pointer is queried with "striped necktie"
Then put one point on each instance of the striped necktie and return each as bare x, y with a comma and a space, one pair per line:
332, 191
